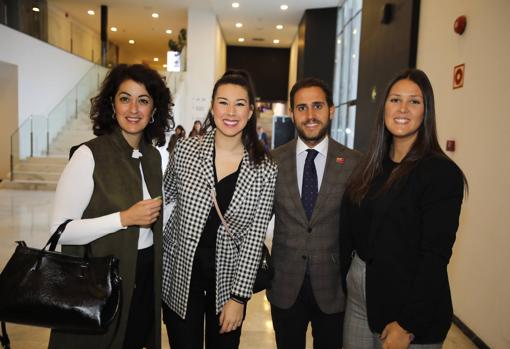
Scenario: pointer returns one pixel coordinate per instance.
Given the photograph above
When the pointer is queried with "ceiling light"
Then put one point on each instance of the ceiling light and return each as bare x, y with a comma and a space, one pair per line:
155, 15
168, 31
90, 12
131, 41
276, 41
240, 39
279, 27
164, 65
284, 7
113, 29
35, 9
156, 59
235, 4
239, 25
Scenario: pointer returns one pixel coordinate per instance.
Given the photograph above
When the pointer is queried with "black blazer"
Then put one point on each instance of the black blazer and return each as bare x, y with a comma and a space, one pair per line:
409, 246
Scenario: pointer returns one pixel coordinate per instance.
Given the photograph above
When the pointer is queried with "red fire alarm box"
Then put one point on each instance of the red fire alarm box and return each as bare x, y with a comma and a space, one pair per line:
450, 145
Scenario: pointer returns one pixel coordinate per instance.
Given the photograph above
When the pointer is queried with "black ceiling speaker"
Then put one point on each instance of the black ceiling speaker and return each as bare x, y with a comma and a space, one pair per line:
387, 13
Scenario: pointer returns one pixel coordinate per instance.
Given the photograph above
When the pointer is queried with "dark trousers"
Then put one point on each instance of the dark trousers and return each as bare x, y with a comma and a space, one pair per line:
141, 312
290, 325
189, 333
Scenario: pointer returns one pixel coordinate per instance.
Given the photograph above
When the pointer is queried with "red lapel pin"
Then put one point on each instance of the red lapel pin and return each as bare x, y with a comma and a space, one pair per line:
340, 161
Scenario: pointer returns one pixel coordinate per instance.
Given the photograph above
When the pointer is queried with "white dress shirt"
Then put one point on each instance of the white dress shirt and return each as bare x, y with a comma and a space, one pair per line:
74, 190
320, 160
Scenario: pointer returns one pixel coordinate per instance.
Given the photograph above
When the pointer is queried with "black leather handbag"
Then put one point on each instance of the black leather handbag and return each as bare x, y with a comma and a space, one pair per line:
51, 289
264, 272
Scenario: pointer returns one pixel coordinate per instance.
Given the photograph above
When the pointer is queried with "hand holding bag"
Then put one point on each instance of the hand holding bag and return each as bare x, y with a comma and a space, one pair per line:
265, 268
59, 291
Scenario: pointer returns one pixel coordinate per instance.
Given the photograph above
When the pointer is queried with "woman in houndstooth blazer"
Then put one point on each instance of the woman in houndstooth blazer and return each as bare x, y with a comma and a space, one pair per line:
205, 269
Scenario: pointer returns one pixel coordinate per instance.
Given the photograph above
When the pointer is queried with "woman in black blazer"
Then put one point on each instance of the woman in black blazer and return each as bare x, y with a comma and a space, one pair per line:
399, 219
209, 271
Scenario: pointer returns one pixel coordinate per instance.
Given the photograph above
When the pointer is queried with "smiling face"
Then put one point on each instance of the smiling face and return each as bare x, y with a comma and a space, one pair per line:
311, 115
133, 110
231, 110
404, 110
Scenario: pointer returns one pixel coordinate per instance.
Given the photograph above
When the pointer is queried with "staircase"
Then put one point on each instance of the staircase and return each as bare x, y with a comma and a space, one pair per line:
42, 173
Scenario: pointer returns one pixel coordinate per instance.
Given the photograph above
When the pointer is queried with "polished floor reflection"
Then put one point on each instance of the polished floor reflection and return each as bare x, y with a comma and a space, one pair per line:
25, 215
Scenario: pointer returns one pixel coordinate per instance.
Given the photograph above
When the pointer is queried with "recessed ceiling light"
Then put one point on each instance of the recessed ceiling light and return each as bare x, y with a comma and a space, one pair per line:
235, 4
284, 7
35, 9
164, 65
113, 29
156, 59
155, 15
276, 41
240, 39
279, 27
168, 31
90, 12
239, 25
131, 41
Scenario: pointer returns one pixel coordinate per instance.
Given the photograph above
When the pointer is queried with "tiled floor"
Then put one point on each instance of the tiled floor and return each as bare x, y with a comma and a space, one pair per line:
24, 215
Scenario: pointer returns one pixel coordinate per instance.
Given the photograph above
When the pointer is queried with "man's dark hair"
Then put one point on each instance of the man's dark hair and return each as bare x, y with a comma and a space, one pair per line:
311, 82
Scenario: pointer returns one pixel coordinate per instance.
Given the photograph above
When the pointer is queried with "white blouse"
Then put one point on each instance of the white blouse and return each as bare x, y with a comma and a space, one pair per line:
74, 190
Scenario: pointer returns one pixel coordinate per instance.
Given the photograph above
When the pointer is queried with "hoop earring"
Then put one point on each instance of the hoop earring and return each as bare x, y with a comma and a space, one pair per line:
113, 115
152, 116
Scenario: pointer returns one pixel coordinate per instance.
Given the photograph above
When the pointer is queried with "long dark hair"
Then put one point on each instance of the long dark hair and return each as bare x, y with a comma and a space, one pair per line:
250, 139
426, 142
102, 106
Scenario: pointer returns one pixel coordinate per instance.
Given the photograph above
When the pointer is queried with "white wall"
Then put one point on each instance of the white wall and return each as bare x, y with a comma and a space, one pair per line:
221, 54
477, 117
293, 63
45, 73
9, 112
205, 61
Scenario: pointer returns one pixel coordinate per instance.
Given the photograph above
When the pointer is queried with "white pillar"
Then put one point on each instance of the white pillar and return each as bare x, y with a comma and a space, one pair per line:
206, 60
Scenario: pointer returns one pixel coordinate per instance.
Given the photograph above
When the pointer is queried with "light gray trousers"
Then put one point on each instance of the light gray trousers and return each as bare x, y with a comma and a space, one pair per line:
357, 333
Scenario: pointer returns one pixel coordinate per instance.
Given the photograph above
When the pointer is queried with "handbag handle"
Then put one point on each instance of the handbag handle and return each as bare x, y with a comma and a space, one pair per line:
53, 241
217, 207
55, 237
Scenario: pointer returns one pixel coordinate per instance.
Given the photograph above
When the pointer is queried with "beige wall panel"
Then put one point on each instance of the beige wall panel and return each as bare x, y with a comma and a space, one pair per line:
478, 119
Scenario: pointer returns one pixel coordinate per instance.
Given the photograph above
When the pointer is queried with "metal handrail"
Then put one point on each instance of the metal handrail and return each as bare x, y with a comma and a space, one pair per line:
50, 120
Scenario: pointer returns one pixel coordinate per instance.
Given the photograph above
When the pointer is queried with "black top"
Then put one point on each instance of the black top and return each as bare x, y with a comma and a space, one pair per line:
204, 265
406, 236
363, 215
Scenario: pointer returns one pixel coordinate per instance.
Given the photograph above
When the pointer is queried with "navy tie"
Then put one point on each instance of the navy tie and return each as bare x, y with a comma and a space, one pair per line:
310, 187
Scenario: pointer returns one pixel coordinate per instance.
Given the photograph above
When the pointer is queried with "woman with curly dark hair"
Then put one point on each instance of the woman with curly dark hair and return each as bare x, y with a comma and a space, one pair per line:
209, 266
111, 189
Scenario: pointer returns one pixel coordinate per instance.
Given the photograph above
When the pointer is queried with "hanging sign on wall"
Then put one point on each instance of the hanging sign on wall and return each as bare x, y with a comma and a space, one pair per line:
458, 76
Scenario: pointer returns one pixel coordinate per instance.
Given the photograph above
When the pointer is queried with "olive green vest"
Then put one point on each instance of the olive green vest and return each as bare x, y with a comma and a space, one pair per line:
118, 186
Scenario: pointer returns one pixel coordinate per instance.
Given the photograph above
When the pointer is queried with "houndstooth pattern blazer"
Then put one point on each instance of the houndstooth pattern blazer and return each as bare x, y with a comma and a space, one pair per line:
188, 180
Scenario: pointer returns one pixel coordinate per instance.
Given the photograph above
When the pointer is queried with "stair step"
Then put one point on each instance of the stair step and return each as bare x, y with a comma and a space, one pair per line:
36, 167
28, 185
37, 176
59, 160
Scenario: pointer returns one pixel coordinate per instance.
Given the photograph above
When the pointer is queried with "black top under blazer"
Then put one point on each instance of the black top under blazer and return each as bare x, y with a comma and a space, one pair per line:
187, 184
408, 249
